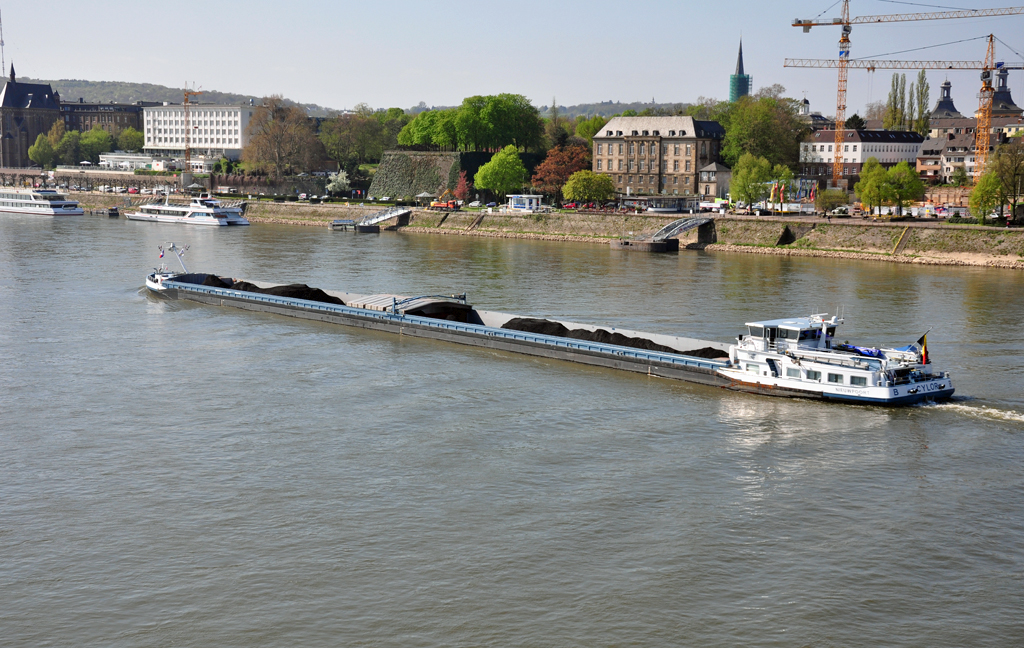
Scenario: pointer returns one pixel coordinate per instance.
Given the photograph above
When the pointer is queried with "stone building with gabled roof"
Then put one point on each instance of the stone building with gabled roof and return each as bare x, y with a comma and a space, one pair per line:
26, 111
657, 155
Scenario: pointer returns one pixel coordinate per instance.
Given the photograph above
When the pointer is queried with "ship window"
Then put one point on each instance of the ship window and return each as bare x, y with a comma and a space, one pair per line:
813, 375
836, 378
753, 368
859, 381
792, 372
756, 331
807, 335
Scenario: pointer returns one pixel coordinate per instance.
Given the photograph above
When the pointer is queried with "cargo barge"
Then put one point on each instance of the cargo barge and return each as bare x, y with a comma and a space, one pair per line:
792, 358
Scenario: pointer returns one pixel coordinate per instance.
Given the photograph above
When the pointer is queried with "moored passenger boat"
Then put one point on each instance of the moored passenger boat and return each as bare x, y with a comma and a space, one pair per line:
200, 211
38, 202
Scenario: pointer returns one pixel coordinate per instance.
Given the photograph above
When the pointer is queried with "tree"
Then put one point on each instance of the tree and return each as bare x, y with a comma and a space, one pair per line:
920, 98
896, 105
902, 186
751, 179
130, 140
463, 188
281, 137
504, 174
41, 152
56, 133
774, 91
855, 122
826, 201
765, 127
985, 196
93, 142
561, 162
959, 177
708, 109
338, 183
875, 110
587, 128
869, 187
1008, 166
68, 150
587, 186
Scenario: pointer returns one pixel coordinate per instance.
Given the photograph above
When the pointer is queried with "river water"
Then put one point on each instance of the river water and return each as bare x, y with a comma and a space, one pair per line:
174, 474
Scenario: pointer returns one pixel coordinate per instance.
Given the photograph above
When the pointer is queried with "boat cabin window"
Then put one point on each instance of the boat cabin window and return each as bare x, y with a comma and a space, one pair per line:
787, 334
792, 372
859, 381
756, 331
808, 334
836, 378
813, 375
753, 368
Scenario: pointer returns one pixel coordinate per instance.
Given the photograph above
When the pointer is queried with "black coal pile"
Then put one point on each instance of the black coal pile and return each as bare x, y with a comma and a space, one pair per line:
201, 279
547, 327
293, 291
216, 282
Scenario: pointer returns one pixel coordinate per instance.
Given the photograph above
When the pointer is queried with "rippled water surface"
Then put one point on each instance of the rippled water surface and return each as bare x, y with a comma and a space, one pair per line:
174, 474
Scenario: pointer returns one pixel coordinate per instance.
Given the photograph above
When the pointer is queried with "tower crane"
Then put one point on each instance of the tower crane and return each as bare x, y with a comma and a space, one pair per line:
843, 63
986, 96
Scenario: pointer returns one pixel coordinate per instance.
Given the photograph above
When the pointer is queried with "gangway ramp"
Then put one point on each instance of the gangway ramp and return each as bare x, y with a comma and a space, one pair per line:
675, 228
387, 214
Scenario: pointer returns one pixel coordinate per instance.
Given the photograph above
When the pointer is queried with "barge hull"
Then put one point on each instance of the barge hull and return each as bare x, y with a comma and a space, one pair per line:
678, 367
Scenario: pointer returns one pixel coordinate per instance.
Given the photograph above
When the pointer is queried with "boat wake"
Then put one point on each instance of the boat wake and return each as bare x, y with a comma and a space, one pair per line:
980, 411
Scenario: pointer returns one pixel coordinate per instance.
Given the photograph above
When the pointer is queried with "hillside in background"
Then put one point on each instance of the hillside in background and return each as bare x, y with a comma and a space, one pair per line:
609, 108
123, 92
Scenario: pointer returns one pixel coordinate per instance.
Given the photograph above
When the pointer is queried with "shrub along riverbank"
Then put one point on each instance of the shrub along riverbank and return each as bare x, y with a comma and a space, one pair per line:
928, 243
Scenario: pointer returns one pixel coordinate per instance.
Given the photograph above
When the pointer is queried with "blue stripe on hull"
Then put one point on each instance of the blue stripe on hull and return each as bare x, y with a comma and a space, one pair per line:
909, 399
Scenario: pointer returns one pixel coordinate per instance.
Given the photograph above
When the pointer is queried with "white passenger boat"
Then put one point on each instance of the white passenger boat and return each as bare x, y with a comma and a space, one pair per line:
200, 211
39, 202
799, 357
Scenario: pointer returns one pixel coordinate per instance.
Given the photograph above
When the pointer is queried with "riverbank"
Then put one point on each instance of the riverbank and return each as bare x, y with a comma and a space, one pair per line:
921, 242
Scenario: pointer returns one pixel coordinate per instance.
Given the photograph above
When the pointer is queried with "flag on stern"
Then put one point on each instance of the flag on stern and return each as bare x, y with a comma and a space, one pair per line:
923, 343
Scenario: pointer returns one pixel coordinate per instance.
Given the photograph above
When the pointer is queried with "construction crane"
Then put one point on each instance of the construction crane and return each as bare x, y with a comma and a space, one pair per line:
843, 63
986, 96
188, 126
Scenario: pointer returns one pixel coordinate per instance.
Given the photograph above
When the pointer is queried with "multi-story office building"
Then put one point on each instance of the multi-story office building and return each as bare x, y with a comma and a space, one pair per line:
111, 117
888, 147
657, 155
217, 131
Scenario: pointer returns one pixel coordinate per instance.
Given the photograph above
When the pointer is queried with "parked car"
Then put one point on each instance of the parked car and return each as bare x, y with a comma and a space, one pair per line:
133, 190
570, 205
475, 203
490, 204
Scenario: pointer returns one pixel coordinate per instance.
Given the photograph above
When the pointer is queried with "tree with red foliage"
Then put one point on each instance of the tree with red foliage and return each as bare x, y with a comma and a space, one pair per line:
561, 162
464, 188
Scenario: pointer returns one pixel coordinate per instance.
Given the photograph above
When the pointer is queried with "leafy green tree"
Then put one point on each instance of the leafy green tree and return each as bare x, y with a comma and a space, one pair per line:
985, 196
130, 140
629, 113
69, 150
960, 177
855, 122
587, 128
751, 179
896, 105
56, 133
41, 152
504, 174
902, 186
765, 127
587, 186
830, 199
93, 142
869, 187
920, 98
1008, 166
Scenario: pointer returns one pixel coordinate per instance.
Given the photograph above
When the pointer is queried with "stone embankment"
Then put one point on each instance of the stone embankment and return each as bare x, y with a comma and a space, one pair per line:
932, 243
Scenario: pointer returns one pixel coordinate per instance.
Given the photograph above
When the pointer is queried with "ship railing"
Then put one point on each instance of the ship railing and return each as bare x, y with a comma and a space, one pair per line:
473, 329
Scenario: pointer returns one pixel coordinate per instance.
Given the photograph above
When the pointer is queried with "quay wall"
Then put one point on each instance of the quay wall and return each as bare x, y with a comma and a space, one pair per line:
928, 242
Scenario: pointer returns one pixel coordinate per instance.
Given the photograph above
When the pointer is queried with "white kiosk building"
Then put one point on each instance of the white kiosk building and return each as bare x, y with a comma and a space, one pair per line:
524, 203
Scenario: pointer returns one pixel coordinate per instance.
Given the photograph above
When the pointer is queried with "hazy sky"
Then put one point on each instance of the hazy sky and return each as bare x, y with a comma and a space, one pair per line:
401, 52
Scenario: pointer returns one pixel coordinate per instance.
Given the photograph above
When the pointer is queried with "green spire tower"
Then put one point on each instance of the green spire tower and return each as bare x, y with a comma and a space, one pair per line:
739, 83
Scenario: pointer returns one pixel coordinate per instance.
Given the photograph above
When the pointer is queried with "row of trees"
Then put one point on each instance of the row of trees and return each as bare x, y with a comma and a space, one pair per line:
898, 186
505, 173
72, 147
908, 110
1002, 183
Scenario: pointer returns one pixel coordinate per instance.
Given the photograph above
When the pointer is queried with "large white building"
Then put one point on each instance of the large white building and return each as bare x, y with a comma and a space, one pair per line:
217, 131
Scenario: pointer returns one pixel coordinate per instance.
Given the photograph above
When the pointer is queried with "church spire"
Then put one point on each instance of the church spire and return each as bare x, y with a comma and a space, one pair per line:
739, 60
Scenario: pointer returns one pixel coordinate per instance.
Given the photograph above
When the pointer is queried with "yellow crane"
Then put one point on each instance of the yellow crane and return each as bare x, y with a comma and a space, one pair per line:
843, 63
987, 67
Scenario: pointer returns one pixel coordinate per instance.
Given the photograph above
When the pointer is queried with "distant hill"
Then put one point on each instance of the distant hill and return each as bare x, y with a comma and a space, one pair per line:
123, 92
609, 108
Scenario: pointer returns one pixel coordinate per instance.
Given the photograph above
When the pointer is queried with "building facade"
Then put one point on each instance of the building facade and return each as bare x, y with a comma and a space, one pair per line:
888, 147
111, 117
656, 155
217, 131
27, 110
